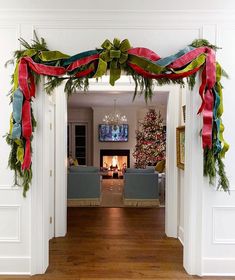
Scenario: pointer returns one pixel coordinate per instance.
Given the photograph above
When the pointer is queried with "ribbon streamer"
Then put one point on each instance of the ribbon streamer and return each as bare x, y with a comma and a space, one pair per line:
17, 113
27, 133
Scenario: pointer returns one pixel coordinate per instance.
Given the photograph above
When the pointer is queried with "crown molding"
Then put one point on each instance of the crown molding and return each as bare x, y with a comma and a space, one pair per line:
110, 15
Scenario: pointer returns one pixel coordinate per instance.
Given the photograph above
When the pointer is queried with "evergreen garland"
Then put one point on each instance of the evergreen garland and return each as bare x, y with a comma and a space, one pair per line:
213, 163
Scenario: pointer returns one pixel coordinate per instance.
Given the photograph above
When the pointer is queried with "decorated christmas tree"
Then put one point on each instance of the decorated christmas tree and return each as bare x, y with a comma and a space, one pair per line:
150, 140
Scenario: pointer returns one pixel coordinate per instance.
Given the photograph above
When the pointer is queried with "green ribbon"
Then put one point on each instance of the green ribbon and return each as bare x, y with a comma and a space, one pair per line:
52, 55
16, 77
225, 144
197, 62
19, 151
115, 54
11, 124
145, 64
220, 110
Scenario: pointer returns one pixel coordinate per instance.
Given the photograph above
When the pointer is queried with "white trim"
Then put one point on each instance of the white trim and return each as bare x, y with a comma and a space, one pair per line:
171, 203
220, 240
9, 187
109, 15
218, 267
39, 190
194, 183
16, 239
13, 265
181, 235
60, 162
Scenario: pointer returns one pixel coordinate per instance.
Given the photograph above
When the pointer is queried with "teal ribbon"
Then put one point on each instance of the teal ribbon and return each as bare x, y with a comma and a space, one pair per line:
217, 144
169, 59
17, 113
75, 57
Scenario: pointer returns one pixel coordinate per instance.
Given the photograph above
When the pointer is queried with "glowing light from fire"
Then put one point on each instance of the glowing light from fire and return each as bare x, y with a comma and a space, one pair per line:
114, 161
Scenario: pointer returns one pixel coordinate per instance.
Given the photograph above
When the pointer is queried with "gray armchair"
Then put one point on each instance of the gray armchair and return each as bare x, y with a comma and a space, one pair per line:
83, 186
141, 187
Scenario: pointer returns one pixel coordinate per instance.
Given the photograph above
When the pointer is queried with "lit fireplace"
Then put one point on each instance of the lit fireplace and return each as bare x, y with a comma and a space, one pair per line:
114, 160
114, 163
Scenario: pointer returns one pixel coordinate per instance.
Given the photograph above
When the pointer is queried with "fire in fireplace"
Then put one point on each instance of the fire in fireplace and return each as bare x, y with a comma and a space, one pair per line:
114, 163
114, 160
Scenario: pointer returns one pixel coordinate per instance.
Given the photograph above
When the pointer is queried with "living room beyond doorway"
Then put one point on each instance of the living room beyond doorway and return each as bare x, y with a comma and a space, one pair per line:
113, 162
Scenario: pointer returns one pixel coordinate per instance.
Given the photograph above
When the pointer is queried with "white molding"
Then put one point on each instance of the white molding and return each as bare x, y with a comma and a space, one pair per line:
194, 182
110, 15
88, 24
171, 203
181, 235
16, 239
218, 267
9, 188
220, 240
13, 265
60, 162
39, 190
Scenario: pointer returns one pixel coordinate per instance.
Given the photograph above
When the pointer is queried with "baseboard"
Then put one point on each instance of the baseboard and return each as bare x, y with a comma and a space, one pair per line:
141, 202
83, 202
218, 267
181, 235
15, 265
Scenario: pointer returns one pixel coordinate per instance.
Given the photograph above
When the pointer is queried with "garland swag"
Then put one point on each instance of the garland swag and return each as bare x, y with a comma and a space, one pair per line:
146, 68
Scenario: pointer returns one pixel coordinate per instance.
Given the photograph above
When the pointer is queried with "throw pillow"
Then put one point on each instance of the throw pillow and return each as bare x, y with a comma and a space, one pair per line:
160, 167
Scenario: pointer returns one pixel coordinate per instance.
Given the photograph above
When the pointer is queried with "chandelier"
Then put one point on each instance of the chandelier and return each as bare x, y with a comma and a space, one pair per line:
115, 117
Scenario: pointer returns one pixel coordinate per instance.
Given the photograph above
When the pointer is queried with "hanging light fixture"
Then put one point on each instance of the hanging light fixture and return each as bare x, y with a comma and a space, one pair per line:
115, 117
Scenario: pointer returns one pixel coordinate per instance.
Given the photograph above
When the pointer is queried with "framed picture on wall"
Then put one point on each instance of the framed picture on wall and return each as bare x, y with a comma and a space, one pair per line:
180, 146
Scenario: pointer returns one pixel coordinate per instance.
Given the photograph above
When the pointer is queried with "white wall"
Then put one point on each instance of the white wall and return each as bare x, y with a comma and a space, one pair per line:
15, 224
219, 208
211, 216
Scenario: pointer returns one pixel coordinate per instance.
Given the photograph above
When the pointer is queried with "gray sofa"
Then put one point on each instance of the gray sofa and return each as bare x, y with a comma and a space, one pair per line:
141, 187
84, 186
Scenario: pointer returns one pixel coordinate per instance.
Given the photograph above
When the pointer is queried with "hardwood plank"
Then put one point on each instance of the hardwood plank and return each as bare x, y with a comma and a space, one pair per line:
115, 243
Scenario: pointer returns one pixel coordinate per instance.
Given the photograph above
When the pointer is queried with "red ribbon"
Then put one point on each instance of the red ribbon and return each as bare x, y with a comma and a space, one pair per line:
202, 90
208, 81
26, 133
188, 57
84, 73
146, 74
82, 61
144, 52
23, 79
42, 69
208, 119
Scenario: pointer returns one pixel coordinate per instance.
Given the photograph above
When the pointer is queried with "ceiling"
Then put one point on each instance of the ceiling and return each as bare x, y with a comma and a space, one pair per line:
106, 98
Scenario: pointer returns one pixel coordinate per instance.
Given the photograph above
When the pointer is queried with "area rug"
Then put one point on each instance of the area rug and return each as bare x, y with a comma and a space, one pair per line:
112, 193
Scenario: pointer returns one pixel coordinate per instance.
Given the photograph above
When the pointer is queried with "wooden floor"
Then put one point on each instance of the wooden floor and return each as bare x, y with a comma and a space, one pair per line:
115, 243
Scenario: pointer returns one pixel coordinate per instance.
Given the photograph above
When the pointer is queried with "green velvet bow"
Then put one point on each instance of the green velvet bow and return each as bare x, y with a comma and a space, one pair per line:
115, 54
